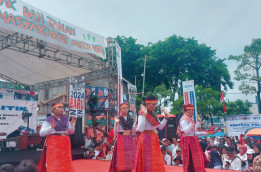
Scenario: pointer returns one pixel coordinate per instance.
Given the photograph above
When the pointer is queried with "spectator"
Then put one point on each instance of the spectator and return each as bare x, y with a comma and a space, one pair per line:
88, 142
250, 158
223, 152
109, 155
256, 148
166, 146
7, 168
247, 142
26, 166
174, 146
166, 157
203, 146
177, 161
178, 152
228, 141
231, 161
243, 156
103, 153
215, 160
97, 149
89, 154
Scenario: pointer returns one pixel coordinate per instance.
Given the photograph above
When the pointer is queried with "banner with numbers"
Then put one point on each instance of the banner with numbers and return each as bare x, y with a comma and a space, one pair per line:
189, 95
77, 99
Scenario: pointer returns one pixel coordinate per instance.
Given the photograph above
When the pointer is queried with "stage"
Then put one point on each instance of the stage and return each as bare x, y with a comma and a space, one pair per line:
82, 165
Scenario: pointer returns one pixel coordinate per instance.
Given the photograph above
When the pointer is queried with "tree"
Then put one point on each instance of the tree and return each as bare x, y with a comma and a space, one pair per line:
208, 103
248, 69
238, 107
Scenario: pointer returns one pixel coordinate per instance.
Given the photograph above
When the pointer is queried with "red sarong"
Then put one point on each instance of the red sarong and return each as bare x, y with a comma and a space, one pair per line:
56, 155
190, 147
148, 156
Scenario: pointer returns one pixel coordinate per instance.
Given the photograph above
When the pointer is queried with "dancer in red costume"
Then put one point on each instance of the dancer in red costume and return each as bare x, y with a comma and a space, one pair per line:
123, 158
148, 153
56, 155
191, 150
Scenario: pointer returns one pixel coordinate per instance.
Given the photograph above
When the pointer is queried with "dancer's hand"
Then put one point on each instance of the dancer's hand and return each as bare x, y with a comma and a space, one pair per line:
73, 121
144, 109
199, 119
116, 119
53, 123
165, 112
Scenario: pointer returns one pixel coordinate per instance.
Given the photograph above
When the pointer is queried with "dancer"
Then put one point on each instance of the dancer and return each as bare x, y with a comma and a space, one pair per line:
148, 153
56, 155
123, 158
191, 150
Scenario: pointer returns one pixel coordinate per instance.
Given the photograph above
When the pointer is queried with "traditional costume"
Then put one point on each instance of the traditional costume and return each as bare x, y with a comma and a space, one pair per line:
191, 151
123, 158
148, 154
56, 155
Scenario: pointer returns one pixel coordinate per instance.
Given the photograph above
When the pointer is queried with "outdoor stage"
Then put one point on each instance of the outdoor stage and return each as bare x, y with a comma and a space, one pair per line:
82, 165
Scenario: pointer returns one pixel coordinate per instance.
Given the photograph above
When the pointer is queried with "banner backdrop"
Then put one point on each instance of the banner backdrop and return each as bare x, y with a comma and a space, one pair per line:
237, 124
106, 98
12, 105
189, 95
18, 16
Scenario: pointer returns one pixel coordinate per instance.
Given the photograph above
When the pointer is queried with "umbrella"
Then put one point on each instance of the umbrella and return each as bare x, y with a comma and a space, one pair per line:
254, 132
219, 134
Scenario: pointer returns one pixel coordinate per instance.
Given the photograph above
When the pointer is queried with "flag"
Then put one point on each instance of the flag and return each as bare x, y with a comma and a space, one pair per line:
241, 139
225, 108
222, 97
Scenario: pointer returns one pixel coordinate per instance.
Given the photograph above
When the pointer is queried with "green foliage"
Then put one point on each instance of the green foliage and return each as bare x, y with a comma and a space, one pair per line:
208, 103
248, 70
177, 107
238, 107
172, 61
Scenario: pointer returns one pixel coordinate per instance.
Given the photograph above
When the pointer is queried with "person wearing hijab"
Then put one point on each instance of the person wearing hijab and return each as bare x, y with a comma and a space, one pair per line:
215, 160
148, 153
243, 156
123, 158
56, 154
250, 158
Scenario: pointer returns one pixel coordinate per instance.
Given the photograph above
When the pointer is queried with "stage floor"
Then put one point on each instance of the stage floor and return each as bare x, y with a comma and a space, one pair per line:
83, 165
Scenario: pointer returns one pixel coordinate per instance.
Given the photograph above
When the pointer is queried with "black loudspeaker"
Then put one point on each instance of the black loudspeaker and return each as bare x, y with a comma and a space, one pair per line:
77, 138
170, 129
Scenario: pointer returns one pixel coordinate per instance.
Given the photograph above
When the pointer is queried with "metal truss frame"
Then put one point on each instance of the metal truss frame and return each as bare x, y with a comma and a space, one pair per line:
39, 48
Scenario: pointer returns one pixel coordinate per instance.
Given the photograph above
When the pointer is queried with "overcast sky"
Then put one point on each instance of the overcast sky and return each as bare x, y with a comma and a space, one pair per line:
224, 25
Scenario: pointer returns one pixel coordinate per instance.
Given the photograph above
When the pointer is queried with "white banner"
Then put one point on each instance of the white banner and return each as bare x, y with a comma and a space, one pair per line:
12, 105
189, 95
237, 124
18, 16
120, 88
77, 100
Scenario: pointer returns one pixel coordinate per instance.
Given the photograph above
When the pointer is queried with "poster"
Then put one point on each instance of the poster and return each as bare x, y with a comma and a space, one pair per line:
189, 95
76, 100
237, 124
14, 105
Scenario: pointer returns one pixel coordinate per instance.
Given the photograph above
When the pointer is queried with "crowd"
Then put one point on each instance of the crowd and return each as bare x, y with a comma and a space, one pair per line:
225, 153
23, 166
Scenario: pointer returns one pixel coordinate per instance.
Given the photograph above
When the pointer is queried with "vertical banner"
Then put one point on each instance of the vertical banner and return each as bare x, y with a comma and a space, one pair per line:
132, 90
189, 95
17, 108
120, 88
77, 96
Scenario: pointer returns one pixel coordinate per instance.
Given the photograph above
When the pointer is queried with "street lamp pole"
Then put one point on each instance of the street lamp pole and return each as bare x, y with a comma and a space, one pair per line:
144, 76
